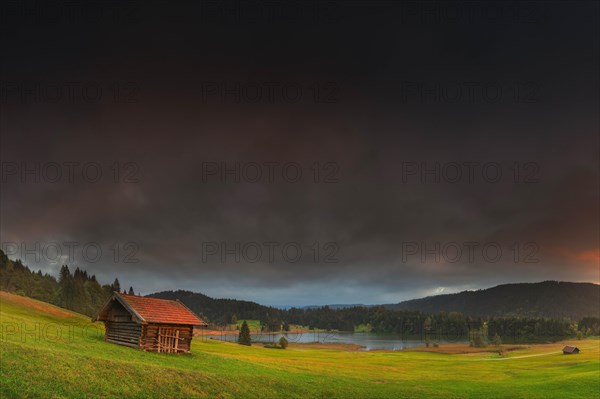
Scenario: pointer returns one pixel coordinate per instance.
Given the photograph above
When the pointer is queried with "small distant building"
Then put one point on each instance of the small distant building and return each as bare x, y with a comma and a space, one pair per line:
150, 324
570, 350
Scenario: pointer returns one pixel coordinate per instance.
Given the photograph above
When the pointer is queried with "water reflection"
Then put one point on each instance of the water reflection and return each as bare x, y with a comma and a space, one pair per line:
369, 341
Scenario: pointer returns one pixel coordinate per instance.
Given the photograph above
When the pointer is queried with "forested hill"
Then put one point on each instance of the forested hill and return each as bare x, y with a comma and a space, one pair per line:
551, 299
77, 290
220, 311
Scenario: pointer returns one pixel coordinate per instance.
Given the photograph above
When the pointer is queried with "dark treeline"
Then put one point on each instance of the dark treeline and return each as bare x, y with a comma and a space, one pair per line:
220, 312
549, 299
451, 326
82, 293
75, 290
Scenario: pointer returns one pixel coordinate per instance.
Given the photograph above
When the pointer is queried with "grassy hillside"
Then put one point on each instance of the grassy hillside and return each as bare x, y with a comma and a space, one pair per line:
48, 352
552, 299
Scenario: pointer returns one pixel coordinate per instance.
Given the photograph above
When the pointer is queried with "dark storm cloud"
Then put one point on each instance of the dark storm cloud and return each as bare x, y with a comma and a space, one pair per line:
378, 109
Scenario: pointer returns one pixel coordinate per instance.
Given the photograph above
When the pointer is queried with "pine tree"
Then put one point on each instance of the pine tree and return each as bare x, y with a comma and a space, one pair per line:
116, 286
66, 293
497, 340
283, 342
244, 337
64, 274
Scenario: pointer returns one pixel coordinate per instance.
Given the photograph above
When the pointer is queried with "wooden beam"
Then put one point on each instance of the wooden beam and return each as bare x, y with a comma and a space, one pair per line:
122, 343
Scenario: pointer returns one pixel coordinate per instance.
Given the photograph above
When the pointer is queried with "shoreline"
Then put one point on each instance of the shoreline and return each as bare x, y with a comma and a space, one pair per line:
200, 332
449, 349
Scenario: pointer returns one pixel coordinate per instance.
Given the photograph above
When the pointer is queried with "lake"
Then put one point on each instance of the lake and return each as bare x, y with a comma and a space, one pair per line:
370, 341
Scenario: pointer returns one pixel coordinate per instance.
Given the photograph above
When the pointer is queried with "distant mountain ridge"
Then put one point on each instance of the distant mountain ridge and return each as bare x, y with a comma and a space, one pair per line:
82, 293
332, 306
552, 299
219, 311
548, 299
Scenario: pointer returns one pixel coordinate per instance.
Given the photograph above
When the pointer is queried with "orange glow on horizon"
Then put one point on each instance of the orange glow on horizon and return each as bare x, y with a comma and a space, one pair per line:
590, 255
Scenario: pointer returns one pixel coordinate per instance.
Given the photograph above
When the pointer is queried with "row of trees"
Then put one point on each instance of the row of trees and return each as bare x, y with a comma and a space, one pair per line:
440, 326
82, 293
75, 291
221, 312
547, 299
589, 326
382, 319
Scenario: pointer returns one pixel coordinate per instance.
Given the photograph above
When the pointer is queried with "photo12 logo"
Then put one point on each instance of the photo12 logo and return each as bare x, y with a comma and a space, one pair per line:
272, 92
68, 92
314, 12
25, 332
471, 12
71, 172
469, 172
468, 252
69, 12
469, 92
72, 252
269, 252
270, 172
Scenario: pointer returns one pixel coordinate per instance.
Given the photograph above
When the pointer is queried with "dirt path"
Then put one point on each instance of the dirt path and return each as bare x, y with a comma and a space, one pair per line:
535, 354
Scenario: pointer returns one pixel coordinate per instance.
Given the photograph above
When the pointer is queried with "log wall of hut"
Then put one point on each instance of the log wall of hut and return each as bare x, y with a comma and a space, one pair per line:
166, 337
121, 328
124, 333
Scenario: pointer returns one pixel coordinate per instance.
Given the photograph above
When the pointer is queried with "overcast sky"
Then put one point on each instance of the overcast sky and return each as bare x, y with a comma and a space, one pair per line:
297, 154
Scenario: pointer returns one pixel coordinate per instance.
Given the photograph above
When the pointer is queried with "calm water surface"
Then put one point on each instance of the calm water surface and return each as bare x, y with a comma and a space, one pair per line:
370, 341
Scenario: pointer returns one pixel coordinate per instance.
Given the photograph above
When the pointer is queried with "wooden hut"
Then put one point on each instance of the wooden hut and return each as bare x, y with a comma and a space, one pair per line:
150, 324
570, 350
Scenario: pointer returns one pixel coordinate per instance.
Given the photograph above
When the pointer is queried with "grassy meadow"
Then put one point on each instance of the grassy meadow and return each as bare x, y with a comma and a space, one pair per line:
49, 352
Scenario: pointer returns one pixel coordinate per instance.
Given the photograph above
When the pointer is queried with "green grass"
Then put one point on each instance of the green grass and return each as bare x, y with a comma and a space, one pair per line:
79, 364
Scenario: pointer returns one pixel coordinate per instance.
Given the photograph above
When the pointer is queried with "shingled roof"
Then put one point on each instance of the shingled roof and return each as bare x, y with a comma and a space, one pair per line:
153, 310
570, 349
